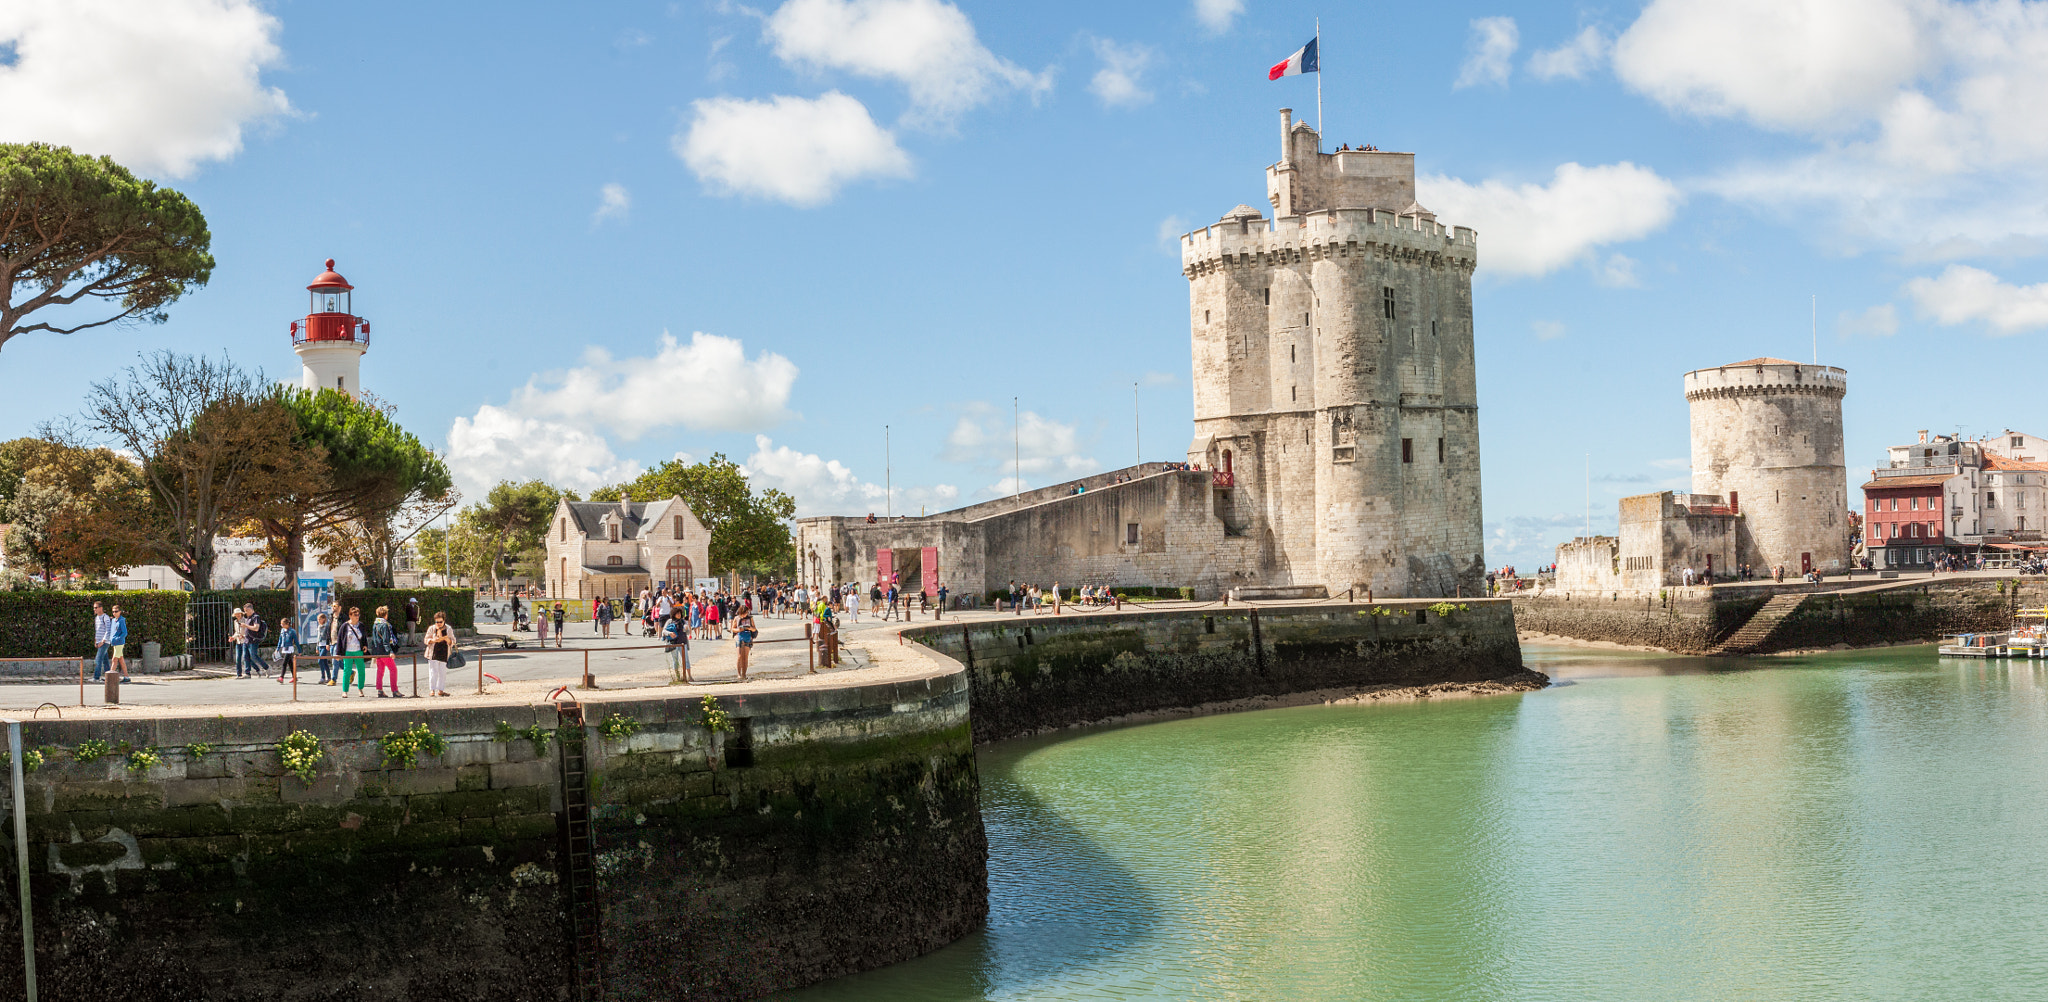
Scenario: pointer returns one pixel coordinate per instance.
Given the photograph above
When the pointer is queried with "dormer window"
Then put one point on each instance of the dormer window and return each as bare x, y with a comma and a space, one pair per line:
679, 527
615, 532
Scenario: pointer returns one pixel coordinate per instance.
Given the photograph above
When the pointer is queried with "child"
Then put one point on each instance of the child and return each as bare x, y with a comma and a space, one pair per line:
743, 635
287, 651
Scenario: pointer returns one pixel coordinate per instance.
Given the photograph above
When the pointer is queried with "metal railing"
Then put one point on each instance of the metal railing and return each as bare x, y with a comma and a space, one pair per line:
1224, 478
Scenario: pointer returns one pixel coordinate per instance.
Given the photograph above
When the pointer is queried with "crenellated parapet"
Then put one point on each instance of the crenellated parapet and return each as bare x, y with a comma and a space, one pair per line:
1766, 377
1328, 233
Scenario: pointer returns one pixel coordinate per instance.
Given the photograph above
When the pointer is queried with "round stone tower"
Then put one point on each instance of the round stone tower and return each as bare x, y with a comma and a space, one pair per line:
1767, 436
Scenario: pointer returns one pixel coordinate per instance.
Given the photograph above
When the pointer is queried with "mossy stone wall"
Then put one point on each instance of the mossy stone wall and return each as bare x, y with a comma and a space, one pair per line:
1035, 672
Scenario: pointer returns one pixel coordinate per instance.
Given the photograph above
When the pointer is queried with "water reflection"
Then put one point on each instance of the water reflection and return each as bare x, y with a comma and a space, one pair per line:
1836, 826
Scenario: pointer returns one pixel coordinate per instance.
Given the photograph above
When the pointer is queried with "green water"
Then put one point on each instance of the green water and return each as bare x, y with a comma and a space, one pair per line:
1863, 825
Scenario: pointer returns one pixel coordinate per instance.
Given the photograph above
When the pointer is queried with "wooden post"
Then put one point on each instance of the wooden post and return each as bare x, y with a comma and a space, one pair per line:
81, 681
810, 652
415, 675
588, 682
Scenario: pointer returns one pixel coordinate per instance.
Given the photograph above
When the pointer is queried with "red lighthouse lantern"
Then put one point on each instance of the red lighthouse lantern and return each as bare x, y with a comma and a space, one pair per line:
331, 340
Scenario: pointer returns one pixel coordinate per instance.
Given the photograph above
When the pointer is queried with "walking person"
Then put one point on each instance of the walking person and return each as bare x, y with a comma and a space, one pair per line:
440, 646
853, 602
351, 647
675, 639
287, 651
240, 640
604, 618
596, 606
117, 642
561, 610
254, 647
383, 644
324, 640
711, 621
540, 624
102, 648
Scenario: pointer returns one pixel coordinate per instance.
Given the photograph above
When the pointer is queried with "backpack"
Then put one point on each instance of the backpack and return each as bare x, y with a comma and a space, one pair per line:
255, 628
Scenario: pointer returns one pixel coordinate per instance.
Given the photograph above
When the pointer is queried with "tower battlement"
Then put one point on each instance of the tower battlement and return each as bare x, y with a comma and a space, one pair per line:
1764, 377
1331, 232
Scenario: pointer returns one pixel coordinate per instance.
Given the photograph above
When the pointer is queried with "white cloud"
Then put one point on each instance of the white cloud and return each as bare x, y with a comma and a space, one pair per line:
828, 487
612, 203
1547, 330
1159, 379
1490, 53
161, 86
498, 444
1532, 229
1924, 114
1617, 272
1118, 84
1573, 59
1961, 294
928, 46
1218, 15
1881, 321
1035, 445
1779, 63
1171, 228
707, 384
792, 149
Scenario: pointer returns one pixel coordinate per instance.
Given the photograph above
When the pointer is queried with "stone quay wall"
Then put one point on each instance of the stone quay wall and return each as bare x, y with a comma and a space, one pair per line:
1693, 620
1036, 673
832, 831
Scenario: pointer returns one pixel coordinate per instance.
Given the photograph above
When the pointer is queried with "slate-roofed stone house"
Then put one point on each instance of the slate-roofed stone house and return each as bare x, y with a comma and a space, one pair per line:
614, 548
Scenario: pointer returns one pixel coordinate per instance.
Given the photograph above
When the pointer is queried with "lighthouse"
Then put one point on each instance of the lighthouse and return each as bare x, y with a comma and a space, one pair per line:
331, 339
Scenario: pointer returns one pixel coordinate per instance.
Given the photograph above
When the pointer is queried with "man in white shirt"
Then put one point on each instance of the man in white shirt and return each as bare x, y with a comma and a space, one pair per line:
853, 601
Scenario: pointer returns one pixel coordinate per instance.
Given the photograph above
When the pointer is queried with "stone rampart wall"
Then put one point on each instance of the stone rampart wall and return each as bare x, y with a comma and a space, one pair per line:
834, 831
1690, 621
1032, 673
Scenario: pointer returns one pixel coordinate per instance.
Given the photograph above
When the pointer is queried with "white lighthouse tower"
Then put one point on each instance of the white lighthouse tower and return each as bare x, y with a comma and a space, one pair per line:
331, 339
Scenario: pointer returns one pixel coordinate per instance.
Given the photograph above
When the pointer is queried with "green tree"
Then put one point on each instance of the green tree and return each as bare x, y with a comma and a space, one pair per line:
215, 447
409, 488
366, 461
513, 517
460, 550
748, 530
76, 229
34, 515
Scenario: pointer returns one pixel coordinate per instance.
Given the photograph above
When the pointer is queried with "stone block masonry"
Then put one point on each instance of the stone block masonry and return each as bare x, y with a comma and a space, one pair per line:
830, 832
1693, 620
1037, 673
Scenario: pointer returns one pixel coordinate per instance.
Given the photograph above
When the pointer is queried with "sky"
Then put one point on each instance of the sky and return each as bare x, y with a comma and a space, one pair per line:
843, 242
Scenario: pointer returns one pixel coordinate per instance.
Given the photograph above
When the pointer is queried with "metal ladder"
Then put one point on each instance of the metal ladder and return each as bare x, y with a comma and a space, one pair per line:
579, 872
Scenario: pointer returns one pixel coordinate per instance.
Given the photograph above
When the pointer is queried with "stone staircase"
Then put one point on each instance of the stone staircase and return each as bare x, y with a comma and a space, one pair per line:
1750, 636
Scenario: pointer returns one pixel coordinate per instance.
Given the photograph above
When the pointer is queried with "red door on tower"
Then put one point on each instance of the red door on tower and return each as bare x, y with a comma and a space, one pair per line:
1806, 563
885, 566
928, 567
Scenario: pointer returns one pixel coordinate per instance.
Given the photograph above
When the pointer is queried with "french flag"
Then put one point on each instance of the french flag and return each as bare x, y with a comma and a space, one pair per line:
1303, 61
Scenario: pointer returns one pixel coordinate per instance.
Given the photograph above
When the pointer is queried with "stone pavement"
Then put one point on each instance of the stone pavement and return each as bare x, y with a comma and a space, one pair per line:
872, 650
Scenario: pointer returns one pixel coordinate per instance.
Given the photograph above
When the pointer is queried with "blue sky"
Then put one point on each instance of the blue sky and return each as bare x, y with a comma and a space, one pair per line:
590, 239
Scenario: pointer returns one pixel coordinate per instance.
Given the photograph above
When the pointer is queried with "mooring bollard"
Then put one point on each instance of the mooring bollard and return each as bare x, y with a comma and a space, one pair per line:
810, 652
113, 696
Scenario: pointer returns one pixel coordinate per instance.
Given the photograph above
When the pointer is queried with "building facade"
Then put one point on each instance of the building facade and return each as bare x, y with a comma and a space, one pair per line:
1947, 495
1335, 388
610, 549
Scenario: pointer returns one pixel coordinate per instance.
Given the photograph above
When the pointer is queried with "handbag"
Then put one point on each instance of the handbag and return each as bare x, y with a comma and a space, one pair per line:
456, 660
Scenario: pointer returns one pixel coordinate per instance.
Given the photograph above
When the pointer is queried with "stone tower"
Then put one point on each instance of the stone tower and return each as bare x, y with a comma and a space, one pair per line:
1767, 435
1334, 385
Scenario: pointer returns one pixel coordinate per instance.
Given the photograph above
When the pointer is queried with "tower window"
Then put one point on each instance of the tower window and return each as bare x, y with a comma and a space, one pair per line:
1269, 297
1290, 354
1205, 316
1131, 534
1387, 301
337, 383
1407, 450
1439, 450
1292, 393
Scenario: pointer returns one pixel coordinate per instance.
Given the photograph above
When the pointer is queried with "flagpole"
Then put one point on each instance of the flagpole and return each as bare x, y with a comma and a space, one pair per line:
1319, 83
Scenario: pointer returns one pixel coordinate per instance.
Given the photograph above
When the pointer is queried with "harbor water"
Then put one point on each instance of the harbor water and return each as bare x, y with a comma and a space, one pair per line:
1852, 825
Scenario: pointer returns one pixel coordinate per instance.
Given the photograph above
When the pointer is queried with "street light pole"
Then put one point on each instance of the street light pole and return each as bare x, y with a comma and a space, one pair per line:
888, 478
1016, 442
1137, 430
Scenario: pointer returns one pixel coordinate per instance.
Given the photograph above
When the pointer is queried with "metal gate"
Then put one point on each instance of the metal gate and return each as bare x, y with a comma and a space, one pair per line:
209, 629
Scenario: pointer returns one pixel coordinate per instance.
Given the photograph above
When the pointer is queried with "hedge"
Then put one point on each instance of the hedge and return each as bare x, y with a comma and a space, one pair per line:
54, 624
59, 623
458, 603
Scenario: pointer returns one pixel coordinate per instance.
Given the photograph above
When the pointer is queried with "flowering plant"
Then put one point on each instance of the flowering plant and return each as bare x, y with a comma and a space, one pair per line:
300, 751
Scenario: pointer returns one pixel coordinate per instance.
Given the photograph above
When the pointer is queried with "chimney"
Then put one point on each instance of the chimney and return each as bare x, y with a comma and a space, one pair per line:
1286, 135
1923, 434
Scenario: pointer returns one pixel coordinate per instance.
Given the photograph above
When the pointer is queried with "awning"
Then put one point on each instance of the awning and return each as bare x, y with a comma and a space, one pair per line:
614, 569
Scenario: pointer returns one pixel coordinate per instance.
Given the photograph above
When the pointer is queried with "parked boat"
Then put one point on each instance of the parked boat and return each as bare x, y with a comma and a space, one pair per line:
2028, 638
